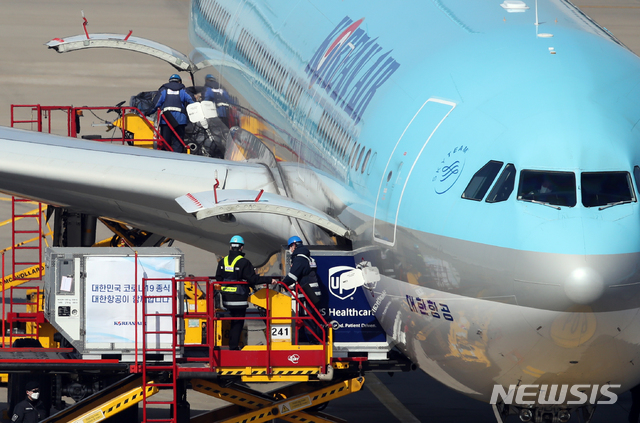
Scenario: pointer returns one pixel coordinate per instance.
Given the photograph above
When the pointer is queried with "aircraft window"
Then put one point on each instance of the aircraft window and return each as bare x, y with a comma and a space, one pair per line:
549, 188
322, 127
262, 60
258, 57
338, 136
251, 51
481, 181
345, 147
255, 59
240, 46
344, 141
606, 189
339, 140
352, 156
366, 160
504, 186
280, 77
360, 157
293, 92
636, 174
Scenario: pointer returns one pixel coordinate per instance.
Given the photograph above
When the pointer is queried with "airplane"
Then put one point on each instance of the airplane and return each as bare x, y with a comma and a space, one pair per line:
482, 156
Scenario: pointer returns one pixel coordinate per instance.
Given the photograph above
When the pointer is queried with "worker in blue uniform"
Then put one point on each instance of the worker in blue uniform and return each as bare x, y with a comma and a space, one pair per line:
235, 267
172, 103
304, 273
214, 92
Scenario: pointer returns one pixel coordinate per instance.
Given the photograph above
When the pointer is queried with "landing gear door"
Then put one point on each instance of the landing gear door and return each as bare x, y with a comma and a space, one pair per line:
124, 42
403, 158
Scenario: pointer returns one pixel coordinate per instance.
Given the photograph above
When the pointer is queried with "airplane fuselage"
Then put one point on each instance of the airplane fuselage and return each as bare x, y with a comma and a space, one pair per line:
394, 112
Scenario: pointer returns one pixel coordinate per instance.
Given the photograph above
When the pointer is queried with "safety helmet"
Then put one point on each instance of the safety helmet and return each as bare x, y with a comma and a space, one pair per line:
294, 240
209, 77
236, 241
175, 77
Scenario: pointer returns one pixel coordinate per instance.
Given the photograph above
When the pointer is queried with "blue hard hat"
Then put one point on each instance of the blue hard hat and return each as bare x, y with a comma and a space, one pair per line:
175, 77
294, 239
236, 239
209, 77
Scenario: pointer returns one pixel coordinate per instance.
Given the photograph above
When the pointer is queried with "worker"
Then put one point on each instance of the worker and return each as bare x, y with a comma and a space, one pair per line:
30, 410
304, 273
214, 92
235, 267
173, 102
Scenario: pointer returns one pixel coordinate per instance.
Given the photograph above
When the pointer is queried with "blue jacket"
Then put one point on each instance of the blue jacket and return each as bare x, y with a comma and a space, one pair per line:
300, 266
174, 98
220, 97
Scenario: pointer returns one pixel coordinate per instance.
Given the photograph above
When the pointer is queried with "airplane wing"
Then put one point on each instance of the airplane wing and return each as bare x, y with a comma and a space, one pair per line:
140, 187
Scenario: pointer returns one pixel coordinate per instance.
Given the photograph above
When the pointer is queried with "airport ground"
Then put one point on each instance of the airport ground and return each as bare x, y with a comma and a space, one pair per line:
32, 74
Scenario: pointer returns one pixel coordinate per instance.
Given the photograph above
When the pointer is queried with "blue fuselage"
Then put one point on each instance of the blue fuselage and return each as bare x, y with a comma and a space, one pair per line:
397, 109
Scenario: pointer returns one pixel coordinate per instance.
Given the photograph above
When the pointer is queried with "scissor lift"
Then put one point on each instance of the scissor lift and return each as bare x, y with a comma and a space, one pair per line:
209, 366
214, 370
316, 376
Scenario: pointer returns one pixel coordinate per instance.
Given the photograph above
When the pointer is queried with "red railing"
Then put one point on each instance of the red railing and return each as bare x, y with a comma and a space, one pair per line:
72, 121
36, 317
207, 289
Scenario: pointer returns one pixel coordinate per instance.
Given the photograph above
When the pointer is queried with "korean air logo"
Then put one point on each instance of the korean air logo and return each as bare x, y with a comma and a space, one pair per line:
350, 66
335, 282
449, 169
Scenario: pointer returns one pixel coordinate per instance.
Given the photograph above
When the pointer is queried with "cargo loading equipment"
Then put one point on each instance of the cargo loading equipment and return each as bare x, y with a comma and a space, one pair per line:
109, 363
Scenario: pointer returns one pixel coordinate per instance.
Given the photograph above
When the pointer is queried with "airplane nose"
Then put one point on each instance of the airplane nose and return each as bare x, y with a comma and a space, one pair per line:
582, 270
584, 285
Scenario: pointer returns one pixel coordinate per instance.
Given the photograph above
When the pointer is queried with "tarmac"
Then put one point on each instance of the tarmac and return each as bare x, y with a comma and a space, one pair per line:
32, 74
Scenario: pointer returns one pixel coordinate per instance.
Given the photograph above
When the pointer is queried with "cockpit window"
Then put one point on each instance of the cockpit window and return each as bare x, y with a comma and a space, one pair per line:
504, 186
481, 181
603, 189
546, 187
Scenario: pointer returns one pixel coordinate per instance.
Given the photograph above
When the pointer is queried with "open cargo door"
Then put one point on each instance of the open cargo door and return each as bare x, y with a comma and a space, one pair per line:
124, 42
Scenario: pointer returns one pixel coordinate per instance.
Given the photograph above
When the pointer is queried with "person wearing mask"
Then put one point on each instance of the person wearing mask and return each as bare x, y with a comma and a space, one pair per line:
303, 272
172, 103
30, 410
235, 267
220, 97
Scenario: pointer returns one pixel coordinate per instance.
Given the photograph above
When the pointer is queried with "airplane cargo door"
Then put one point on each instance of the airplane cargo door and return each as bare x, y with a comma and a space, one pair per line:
403, 158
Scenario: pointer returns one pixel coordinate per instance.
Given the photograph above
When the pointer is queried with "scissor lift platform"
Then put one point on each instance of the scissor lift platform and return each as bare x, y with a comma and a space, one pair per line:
282, 359
290, 403
204, 362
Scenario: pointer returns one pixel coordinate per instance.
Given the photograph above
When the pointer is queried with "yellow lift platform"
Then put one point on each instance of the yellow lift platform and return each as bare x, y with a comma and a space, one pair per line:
315, 376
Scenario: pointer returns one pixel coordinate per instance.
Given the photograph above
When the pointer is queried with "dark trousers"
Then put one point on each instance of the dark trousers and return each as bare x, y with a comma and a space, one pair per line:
171, 139
236, 326
634, 412
305, 334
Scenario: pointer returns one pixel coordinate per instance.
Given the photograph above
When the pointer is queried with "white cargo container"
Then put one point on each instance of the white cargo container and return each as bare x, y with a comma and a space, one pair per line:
93, 299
